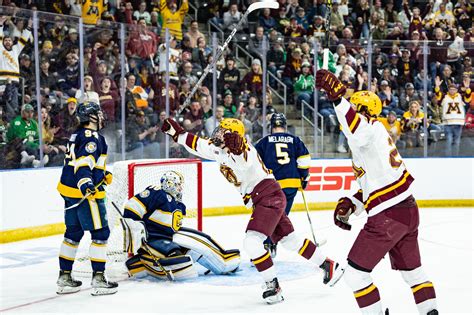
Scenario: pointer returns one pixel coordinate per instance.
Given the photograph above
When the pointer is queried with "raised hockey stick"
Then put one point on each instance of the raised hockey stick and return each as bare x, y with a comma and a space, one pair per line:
156, 260
309, 220
266, 4
326, 37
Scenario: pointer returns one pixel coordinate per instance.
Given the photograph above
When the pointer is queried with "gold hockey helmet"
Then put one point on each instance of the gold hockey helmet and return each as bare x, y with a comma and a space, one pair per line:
369, 101
233, 125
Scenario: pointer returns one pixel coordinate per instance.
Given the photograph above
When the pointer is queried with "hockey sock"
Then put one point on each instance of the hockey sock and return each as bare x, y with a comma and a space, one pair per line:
67, 254
264, 265
304, 247
422, 289
98, 253
261, 258
365, 292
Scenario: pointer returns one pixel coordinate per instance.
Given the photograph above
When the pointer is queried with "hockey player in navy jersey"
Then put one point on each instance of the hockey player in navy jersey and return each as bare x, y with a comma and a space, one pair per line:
167, 245
385, 194
288, 158
82, 187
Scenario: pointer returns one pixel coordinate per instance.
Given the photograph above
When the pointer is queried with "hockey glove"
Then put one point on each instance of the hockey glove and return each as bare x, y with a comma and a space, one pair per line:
345, 207
234, 142
88, 190
108, 177
172, 128
328, 82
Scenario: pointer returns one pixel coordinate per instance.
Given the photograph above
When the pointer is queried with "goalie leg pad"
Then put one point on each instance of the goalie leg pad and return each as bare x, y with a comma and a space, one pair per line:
164, 248
207, 252
135, 266
181, 267
422, 288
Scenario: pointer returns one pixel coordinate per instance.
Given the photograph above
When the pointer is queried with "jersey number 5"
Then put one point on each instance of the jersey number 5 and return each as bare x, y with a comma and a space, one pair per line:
282, 156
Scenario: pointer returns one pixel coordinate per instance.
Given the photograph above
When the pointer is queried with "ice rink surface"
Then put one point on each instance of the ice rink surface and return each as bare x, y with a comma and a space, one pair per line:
29, 271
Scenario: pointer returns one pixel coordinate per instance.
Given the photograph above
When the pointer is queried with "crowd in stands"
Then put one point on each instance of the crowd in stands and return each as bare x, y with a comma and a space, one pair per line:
391, 31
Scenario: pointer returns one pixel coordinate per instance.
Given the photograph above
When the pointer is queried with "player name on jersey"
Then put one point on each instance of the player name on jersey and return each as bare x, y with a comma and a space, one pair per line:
285, 139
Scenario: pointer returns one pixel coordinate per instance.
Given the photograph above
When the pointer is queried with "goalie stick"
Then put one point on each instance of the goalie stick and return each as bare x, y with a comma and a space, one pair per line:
168, 273
266, 4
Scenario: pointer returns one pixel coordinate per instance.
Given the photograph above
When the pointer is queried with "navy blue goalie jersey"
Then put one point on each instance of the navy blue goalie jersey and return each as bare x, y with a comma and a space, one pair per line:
287, 157
161, 212
85, 160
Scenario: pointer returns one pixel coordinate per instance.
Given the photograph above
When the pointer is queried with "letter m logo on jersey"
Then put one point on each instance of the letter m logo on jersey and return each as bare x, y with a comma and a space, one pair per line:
453, 107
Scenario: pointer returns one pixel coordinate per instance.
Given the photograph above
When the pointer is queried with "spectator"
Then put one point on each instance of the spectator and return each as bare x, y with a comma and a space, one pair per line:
142, 13
141, 138
454, 114
92, 11
9, 66
173, 18
252, 81
446, 79
438, 52
193, 34
256, 47
291, 8
304, 85
294, 30
282, 20
160, 92
69, 78
187, 74
393, 126
337, 20
200, 53
276, 60
292, 69
389, 100
25, 128
66, 121
229, 78
252, 108
109, 100
230, 109
89, 94
47, 79
301, 18
232, 18
55, 152
408, 95
193, 119
173, 59
412, 125
142, 43
267, 21
124, 13
318, 28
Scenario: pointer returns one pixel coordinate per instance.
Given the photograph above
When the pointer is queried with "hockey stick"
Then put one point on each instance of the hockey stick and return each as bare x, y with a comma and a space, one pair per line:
309, 220
266, 4
80, 201
169, 274
326, 38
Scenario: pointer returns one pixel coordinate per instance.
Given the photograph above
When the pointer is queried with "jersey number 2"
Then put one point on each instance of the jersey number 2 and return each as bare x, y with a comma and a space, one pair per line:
282, 156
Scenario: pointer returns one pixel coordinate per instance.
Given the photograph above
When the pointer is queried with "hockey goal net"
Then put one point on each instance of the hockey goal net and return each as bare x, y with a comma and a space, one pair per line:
130, 178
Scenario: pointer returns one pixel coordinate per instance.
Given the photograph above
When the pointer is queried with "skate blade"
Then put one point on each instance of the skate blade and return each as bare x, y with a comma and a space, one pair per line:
67, 290
338, 273
274, 299
103, 291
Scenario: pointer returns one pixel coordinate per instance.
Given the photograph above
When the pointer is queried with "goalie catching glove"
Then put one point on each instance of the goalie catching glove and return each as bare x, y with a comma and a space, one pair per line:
328, 82
172, 128
344, 208
234, 142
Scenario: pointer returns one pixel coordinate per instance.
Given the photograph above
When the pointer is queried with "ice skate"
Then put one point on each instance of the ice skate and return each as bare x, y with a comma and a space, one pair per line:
272, 293
66, 284
100, 286
332, 272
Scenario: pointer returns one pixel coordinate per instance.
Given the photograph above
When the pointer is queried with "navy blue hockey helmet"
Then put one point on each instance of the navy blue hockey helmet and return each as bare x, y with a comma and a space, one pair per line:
278, 120
86, 110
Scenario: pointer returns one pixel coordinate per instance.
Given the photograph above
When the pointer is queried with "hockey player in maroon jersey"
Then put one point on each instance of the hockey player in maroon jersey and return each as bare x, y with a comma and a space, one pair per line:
392, 224
241, 165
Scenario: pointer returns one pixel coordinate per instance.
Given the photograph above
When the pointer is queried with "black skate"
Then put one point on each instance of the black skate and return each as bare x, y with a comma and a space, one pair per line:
272, 293
66, 284
433, 312
332, 272
100, 286
272, 248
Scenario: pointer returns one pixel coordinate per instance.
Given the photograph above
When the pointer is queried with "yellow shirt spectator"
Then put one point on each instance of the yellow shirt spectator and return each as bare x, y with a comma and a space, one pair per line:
92, 11
173, 18
392, 125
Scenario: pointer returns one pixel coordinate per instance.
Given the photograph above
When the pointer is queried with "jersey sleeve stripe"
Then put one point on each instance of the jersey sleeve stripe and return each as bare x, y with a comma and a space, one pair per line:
354, 124
136, 207
389, 191
191, 141
161, 217
304, 161
83, 161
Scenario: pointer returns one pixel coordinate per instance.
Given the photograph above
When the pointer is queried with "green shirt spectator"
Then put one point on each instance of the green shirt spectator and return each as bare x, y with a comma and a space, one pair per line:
25, 127
305, 82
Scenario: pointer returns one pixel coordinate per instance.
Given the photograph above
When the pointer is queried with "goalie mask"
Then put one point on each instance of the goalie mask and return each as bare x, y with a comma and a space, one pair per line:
172, 182
227, 124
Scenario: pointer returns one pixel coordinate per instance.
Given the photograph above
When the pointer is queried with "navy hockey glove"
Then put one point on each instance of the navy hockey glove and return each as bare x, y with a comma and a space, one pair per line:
345, 207
172, 128
88, 190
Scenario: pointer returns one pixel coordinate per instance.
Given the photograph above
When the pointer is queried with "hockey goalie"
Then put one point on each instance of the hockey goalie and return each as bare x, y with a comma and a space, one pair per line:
162, 247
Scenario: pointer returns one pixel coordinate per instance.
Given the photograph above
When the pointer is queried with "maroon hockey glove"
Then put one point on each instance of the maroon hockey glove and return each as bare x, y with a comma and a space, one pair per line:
345, 207
234, 142
328, 82
172, 128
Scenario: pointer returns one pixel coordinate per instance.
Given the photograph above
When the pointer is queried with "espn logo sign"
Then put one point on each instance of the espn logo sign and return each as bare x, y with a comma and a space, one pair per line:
330, 178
